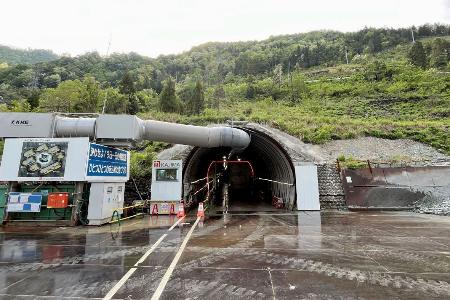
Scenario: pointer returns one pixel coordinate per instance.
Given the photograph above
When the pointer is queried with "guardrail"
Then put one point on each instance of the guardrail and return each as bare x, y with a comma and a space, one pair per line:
117, 215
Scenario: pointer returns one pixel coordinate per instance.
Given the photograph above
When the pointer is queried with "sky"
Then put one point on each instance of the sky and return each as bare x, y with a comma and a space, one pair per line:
159, 27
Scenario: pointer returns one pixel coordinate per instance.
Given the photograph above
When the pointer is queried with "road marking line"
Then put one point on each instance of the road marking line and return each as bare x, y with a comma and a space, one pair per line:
149, 251
176, 223
171, 268
271, 283
119, 284
130, 272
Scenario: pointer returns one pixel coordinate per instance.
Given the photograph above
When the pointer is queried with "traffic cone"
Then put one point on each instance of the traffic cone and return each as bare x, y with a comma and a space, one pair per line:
201, 211
172, 209
180, 213
155, 209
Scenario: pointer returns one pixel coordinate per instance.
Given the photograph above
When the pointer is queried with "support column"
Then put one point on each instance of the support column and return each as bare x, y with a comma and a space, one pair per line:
77, 202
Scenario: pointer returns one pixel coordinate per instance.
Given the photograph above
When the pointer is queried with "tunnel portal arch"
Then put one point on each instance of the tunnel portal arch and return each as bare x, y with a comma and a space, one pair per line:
268, 158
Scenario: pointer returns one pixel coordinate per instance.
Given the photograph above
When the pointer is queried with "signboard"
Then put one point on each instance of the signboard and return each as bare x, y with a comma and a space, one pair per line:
44, 159
167, 180
62, 159
24, 202
105, 161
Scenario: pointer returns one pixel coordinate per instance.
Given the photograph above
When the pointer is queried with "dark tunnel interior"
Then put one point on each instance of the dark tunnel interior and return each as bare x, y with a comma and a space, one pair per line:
268, 160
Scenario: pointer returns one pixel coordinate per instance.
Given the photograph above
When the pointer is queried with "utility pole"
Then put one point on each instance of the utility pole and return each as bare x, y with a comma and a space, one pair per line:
412, 34
346, 55
106, 92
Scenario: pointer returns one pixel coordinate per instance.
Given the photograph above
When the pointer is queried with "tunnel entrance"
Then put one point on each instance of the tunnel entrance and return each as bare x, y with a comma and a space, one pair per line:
259, 178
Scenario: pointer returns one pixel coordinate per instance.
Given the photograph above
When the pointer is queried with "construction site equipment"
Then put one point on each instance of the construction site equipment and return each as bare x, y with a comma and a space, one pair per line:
58, 148
105, 130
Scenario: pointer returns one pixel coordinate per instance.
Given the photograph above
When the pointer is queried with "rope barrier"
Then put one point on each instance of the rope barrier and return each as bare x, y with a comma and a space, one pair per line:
121, 219
198, 191
198, 180
127, 207
274, 181
116, 213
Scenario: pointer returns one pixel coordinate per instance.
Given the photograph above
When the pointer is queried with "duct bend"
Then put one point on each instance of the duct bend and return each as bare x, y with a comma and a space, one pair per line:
74, 127
207, 137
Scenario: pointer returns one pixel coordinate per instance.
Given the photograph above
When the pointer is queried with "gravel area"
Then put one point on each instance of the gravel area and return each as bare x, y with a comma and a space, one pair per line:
378, 149
435, 206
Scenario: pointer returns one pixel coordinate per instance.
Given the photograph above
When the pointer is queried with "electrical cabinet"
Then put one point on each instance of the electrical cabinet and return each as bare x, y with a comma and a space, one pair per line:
104, 199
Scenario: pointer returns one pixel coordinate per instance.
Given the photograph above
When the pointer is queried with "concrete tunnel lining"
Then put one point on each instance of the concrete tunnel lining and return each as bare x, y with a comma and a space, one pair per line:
268, 158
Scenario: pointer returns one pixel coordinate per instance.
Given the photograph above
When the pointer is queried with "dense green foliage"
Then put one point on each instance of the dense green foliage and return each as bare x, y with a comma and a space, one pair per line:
142, 158
13, 56
407, 103
299, 83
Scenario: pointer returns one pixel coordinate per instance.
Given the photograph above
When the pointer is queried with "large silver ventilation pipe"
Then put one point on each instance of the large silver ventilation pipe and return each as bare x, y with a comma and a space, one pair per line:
74, 127
207, 137
119, 130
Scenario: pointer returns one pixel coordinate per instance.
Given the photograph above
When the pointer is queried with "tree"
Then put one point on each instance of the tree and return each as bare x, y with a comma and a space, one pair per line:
52, 81
90, 96
250, 92
417, 55
133, 106
298, 86
278, 75
218, 96
20, 106
126, 87
116, 103
72, 96
148, 99
439, 53
377, 71
168, 101
64, 98
197, 101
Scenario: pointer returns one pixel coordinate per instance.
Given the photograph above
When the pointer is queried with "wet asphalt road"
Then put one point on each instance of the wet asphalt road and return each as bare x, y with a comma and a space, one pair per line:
301, 255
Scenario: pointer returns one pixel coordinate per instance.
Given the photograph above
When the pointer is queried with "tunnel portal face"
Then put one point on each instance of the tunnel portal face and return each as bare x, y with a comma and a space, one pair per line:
245, 192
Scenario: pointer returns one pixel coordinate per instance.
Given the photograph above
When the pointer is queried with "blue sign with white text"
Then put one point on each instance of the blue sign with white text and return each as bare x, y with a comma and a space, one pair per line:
106, 161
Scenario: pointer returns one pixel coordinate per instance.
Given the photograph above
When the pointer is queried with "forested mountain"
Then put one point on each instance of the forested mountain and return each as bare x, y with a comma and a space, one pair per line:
214, 62
13, 56
319, 85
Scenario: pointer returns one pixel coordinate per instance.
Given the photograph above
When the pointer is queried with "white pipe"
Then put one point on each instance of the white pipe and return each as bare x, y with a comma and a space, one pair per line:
74, 127
119, 128
208, 137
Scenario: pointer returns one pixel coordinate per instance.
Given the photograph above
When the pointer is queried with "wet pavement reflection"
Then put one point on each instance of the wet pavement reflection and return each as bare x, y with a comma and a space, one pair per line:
304, 255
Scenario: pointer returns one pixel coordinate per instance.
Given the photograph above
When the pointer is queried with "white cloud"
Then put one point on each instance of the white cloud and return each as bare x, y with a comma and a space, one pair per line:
171, 26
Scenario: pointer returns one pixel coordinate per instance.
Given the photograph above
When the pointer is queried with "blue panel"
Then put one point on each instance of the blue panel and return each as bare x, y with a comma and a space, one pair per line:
27, 206
107, 162
35, 199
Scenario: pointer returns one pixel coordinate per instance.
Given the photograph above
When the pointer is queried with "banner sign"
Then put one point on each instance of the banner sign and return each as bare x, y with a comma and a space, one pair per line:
62, 159
105, 161
43, 159
24, 202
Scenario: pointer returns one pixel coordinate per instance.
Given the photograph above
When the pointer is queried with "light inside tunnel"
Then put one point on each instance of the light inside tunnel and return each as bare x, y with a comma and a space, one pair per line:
273, 174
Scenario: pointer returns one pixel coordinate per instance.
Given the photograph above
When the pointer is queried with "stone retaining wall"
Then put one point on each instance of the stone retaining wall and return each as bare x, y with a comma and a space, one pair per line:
331, 192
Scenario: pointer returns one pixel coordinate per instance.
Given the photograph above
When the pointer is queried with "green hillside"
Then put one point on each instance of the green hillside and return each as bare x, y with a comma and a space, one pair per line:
13, 56
300, 83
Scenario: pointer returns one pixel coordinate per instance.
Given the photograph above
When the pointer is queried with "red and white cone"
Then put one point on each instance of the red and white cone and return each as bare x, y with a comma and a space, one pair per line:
181, 213
201, 210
